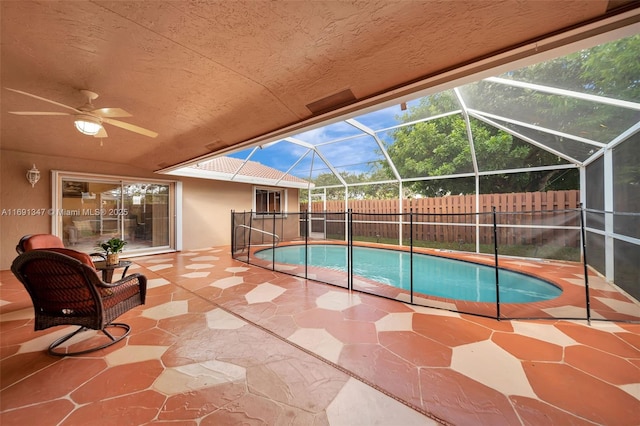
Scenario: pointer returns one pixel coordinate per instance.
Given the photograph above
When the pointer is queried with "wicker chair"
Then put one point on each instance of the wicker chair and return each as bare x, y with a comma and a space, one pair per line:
47, 241
66, 290
38, 241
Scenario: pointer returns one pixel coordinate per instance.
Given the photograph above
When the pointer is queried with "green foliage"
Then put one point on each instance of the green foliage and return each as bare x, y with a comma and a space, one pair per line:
376, 191
442, 146
113, 245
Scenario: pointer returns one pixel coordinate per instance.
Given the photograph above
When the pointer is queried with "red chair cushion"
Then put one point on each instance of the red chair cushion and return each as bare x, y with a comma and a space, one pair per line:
78, 255
42, 241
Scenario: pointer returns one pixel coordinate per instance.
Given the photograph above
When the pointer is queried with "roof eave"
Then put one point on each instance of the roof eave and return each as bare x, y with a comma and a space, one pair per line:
229, 177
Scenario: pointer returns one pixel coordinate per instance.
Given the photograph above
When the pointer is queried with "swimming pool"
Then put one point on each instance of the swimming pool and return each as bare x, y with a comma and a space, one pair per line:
432, 275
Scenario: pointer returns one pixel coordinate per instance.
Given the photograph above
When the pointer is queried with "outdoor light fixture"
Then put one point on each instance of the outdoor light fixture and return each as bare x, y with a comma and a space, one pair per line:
33, 176
88, 124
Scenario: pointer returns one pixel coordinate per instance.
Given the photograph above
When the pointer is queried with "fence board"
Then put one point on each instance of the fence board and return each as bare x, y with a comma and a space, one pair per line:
429, 209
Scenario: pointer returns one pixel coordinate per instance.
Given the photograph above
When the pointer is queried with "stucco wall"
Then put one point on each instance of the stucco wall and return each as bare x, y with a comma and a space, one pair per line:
206, 209
206, 204
209, 203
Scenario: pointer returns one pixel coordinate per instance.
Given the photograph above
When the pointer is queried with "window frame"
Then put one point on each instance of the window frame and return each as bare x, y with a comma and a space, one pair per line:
284, 194
175, 206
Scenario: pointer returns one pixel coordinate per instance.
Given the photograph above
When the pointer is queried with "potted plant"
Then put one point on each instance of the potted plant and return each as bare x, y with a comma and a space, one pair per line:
112, 248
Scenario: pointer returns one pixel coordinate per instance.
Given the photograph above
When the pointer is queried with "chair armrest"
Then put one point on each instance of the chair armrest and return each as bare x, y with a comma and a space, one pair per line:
97, 256
125, 287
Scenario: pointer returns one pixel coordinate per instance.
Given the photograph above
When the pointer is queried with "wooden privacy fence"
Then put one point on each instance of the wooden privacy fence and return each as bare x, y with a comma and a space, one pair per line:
531, 218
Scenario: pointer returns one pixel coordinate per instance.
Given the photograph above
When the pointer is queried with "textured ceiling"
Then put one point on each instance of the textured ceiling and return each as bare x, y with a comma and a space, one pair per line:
208, 75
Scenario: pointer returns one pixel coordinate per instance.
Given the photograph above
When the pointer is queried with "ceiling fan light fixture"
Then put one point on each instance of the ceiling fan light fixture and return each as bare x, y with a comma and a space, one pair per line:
87, 124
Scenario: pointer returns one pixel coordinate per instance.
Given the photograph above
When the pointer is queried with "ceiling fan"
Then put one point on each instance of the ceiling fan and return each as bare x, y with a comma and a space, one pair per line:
88, 119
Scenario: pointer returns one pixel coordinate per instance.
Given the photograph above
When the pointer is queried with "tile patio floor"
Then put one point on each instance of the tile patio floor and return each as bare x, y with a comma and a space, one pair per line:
220, 342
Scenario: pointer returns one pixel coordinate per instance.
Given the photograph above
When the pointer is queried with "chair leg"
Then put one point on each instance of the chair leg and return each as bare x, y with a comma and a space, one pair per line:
114, 340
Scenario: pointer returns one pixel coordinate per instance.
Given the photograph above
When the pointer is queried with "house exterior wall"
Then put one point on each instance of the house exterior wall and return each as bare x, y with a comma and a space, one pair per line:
206, 204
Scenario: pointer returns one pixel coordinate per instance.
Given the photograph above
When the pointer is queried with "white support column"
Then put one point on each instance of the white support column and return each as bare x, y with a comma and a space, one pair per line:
401, 198
477, 207
608, 215
583, 201
346, 213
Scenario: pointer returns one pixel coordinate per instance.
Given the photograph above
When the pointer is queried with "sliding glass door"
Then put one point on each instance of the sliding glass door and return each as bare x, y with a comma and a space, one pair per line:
147, 206
90, 209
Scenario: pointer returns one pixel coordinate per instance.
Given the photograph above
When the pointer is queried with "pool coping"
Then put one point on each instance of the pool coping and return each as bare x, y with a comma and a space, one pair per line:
566, 275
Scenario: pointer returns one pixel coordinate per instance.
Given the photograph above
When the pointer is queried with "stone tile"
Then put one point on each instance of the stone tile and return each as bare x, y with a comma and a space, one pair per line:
416, 349
56, 411
620, 306
619, 371
541, 331
449, 330
264, 293
632, 389
196, 275
607, 342
227, 282
42, 341
527, 348
200, 266
302, 382
567, 311
337, 301
66, 376
160, 267
252, 409
17, 315
167, 310
534, 412
135, 353
354, 332
118, 380
221, 320
135, 409
17, 367
492, 366
458, 399
358, 404
318, 341
381, 366
204, 258
363, 312
440, 362
190, 377
564, 386
197, 404
156, 282
395, 322
236, 269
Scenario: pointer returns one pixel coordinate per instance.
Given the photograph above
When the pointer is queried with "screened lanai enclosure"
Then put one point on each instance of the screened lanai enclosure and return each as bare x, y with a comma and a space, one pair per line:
536, 169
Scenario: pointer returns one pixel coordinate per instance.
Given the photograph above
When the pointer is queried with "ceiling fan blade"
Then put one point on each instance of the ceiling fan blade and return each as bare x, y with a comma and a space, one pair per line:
130, 127
38, 113
110, 112
43, 99
101, 134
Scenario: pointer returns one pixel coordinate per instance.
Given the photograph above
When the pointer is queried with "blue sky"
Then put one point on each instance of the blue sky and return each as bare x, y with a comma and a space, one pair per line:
350, 155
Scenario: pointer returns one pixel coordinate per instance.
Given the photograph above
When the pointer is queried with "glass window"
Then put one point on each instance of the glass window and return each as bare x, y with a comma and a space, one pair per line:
269, 201
92, 210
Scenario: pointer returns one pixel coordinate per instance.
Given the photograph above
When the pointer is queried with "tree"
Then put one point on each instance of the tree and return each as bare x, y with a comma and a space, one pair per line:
372, 191
441, 147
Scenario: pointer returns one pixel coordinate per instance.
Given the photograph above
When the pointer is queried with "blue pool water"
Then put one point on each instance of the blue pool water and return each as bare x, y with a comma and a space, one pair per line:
432, 275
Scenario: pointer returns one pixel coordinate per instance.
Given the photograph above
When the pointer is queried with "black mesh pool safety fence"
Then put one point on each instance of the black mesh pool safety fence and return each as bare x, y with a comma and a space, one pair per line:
501, 265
